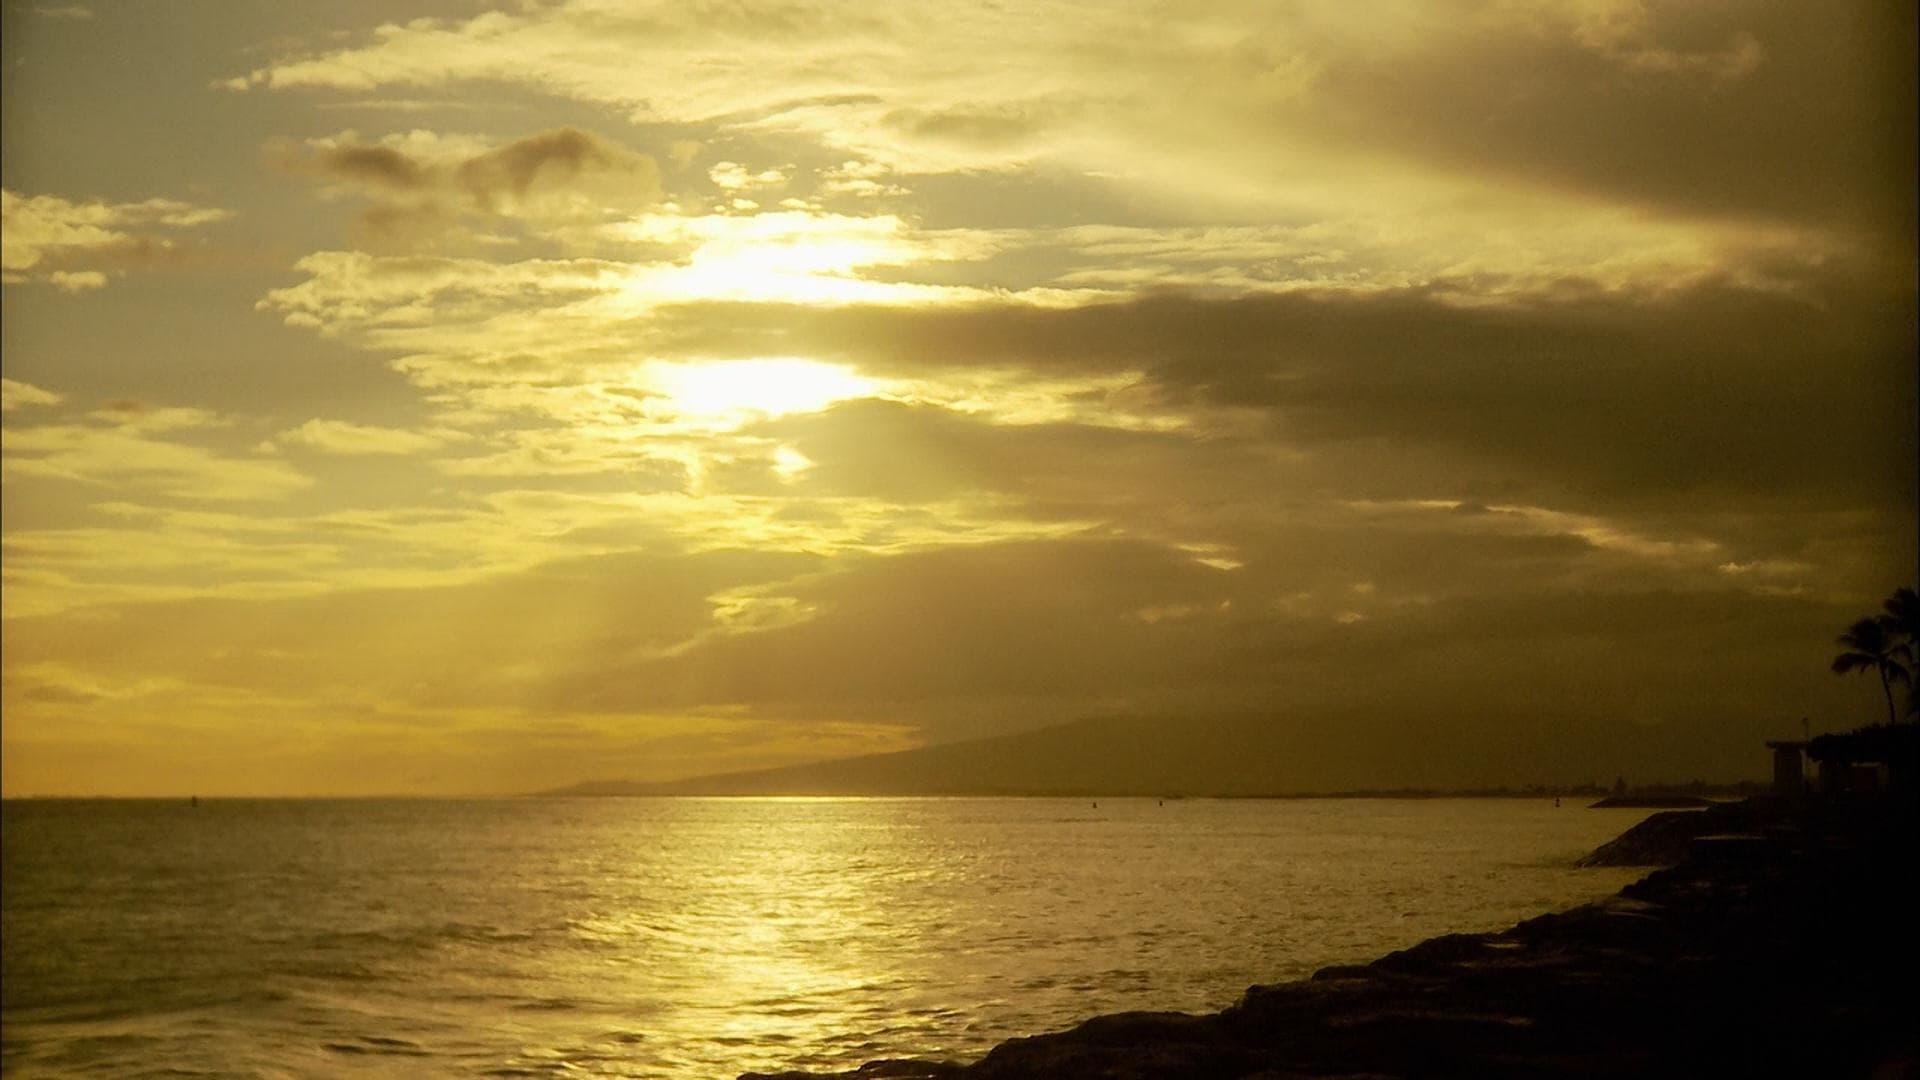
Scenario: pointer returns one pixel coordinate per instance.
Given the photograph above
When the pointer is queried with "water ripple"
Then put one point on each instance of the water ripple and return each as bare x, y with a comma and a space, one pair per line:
698, 937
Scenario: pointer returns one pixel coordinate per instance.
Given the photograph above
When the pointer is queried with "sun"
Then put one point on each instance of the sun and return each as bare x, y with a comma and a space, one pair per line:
729, 393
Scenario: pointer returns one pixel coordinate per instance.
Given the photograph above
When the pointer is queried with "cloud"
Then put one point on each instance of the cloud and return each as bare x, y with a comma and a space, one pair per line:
421, 183
796, 657
373, 166
756, 68
908, 453
341, 437
51, 239
1702, 393
353, 635
862, 179
19, 395
127, 448
388, 302
1058, 618
1693, 412
1097, 360
1768, 110
1620, 436
471, 319
735, 177
75, 281
995, 128
144, 418
624, 276
505, 179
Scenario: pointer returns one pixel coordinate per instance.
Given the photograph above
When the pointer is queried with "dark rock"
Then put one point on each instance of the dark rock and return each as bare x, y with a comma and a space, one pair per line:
1663, 839
885, 1069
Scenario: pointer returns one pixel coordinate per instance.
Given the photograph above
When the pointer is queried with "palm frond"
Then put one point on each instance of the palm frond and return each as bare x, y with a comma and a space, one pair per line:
1903, 612
1851, 661
1865, 635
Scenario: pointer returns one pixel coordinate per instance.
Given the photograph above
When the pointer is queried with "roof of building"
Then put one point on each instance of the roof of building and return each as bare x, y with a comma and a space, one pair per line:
1882, 742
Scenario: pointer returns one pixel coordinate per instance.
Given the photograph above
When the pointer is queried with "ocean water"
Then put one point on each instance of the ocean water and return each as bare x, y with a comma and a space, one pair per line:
702, 937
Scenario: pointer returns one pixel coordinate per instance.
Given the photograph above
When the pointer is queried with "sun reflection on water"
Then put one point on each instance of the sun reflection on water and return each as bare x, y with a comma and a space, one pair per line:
700, 938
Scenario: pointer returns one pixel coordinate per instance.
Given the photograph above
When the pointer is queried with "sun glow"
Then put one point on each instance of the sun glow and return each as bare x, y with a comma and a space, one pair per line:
798, 257
729, 393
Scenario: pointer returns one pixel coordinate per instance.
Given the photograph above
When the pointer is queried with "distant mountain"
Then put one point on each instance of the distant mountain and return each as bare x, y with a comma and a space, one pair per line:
1156, 756
1322, 751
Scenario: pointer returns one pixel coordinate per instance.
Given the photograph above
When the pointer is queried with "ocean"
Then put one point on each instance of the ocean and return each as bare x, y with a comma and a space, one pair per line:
683, 937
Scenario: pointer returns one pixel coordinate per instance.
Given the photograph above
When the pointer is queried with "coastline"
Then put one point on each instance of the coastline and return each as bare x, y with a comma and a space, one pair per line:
1779, 943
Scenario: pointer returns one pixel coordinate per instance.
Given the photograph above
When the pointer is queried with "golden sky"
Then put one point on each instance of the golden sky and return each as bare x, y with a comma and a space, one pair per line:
428, 397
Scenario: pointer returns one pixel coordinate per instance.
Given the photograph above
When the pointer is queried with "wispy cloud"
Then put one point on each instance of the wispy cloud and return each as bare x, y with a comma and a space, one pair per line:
73, 245
129, 449
19, 395
341, 437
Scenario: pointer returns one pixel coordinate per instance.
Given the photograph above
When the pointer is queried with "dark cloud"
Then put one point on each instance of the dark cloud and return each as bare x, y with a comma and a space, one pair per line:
1458, 635
48, 693
377, 166
559, 157
985, 127
1712, 394
1790, 112
922, 453
951, 623
1058, 630
552, 176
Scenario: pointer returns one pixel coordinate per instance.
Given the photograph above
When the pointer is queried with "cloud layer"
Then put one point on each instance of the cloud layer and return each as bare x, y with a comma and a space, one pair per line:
649, 390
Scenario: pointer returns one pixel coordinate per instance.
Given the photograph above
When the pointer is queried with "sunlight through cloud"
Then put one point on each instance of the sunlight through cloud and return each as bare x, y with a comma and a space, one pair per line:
727, 394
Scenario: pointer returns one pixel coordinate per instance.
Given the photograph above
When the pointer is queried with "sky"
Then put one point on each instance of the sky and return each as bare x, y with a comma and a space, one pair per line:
441, 398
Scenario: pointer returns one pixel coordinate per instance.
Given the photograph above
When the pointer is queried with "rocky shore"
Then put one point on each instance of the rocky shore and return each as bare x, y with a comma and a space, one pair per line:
1781, 944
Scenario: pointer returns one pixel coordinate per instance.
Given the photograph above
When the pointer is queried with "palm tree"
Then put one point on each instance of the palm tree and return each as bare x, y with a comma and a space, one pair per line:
1902, 620
1871, 646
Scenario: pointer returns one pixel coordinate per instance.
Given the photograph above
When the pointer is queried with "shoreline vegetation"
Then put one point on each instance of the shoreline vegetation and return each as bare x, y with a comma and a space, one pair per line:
1776, 939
